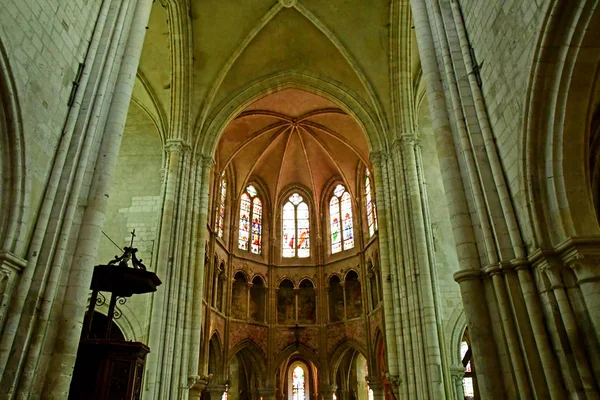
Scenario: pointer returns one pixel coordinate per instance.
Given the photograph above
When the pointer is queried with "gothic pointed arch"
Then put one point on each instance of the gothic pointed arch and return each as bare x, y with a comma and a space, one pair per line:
557, 127
13, 183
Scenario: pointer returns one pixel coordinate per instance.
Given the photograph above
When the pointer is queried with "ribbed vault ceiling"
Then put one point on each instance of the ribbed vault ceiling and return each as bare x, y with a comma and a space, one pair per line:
293, 137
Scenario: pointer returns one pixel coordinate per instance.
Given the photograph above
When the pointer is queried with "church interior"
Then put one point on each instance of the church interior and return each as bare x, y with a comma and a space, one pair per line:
299, 199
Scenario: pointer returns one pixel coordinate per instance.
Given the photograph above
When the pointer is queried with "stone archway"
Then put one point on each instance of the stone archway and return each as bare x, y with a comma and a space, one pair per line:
13, 185
558, 116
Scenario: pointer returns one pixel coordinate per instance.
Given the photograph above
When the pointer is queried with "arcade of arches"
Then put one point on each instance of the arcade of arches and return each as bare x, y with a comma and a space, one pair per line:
344, 199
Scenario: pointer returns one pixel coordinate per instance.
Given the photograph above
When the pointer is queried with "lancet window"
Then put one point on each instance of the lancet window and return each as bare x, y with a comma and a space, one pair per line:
340, 215
296, 228
250, 231
298, 383
470, 389
220, 217
370, 205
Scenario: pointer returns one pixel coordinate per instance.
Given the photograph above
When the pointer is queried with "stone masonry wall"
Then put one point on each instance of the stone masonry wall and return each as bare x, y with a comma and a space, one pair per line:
135, 204
504, 35
45, 41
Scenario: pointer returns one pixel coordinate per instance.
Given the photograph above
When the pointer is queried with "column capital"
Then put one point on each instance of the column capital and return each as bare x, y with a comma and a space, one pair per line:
207, 161
378, 157
177, 145
326, 391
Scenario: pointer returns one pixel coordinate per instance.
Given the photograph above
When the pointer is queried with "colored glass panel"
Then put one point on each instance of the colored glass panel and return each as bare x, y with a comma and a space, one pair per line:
371, 212
347, 221
296, 199
302, 221
298, 383
289, 230
221, 208
244, 230
339, 190
334, 216
251, 190
256, 225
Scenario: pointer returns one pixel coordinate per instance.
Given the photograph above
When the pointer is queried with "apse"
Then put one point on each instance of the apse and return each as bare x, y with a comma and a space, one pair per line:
292, 262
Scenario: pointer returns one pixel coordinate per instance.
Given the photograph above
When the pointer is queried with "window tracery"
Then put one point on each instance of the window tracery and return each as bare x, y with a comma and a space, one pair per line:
250, 230
370, 205
340, 214
295, 228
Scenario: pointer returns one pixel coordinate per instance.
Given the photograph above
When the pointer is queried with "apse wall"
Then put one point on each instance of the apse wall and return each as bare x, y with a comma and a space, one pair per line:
44, 45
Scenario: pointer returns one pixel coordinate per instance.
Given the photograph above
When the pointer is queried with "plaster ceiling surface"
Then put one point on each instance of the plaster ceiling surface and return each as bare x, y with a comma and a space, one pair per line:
293, 137
344, 42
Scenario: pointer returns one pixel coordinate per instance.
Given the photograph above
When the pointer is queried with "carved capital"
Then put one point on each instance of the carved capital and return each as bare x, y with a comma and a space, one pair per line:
198, 383
377, 158
394, 380
174, 145
409, 139
207, 161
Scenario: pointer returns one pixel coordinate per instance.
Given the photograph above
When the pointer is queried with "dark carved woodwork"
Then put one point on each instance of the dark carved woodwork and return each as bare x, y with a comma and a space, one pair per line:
108, 370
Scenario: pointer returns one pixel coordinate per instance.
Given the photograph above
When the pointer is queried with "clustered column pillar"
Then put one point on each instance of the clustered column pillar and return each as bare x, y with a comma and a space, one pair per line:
73, 310
469, 276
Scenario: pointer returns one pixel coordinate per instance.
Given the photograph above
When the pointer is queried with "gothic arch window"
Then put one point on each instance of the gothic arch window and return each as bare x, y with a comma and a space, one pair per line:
257, 299
295, 228
370, 205
340, 218
307, 304
220, 217
336, 299
286, 303
353, 294
470, 389
298, 382
239, 296
250, 232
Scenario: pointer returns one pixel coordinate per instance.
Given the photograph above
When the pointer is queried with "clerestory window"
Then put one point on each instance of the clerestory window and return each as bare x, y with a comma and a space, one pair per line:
250, 231
370, 204
340, 215
295, 228
220, 217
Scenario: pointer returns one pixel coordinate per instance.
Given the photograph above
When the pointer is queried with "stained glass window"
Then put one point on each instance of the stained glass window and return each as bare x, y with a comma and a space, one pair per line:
469, 384
342, 232
250, 235
295, 228
298, 383
371, 209
221, 207
334, 215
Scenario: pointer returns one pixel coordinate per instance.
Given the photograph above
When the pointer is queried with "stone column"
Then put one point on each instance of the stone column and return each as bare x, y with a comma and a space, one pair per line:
59, 376
203, 182
216, 391
457, 372
389, 290
326, 392
377, 387
267, 393
156, 363
469, 276
427, 307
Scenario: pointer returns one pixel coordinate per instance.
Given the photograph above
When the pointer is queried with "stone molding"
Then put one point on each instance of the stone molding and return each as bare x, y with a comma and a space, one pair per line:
10, 269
